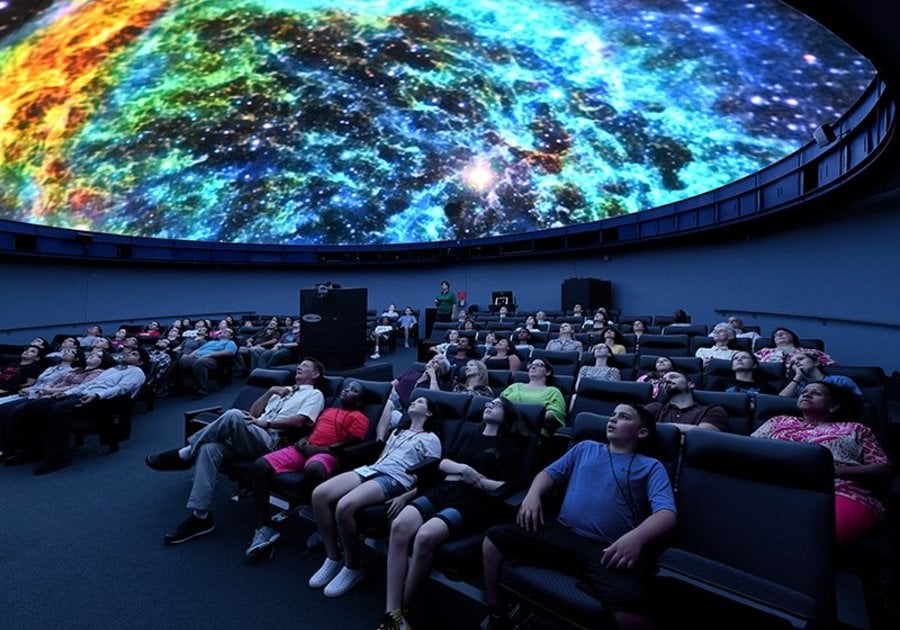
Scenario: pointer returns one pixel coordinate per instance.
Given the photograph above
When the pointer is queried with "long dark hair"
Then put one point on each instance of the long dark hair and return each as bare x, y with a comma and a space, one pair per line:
512, 427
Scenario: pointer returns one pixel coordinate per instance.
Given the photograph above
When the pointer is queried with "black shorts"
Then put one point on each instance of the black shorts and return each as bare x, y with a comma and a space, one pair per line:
556, 546
461, 508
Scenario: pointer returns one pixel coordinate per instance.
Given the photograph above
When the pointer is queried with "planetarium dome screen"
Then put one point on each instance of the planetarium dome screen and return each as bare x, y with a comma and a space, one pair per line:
304, 122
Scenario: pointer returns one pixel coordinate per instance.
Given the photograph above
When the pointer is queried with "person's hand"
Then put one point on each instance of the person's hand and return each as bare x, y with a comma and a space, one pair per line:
531, 514
279, 390
623, 553
249, 417
395, 505
89, 398
302, 445
430, 371
472, 476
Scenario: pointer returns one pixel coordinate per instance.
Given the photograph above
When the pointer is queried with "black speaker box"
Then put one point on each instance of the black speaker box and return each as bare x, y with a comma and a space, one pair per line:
333, 326
591, 293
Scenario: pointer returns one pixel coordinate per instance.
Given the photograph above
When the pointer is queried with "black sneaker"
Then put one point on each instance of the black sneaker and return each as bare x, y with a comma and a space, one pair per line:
168, 460
191, 528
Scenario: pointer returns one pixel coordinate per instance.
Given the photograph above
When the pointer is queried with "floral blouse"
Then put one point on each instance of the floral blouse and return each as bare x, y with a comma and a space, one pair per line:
850, 443
777, 355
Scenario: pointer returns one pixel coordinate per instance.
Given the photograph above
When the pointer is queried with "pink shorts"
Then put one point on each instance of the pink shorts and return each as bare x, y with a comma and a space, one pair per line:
853, 520
289, 459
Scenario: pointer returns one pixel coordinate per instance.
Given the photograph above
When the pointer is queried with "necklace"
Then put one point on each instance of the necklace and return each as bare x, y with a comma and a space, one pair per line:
626, 491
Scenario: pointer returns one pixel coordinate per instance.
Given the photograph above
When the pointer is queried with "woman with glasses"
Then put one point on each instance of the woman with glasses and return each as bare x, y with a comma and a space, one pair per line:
539, 391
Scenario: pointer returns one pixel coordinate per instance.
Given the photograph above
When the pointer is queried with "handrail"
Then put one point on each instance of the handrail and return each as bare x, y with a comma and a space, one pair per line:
822, 319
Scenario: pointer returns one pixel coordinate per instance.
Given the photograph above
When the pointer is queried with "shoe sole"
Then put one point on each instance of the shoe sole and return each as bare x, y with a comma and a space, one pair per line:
269, 545
194, 535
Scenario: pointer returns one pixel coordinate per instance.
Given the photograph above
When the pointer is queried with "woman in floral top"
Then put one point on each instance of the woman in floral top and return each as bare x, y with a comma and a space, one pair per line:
787, 345
860, 463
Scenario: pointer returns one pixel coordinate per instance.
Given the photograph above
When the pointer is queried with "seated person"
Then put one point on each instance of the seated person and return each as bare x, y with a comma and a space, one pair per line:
531, 325
683, 411
223, 325
737, 325
489, 341
452, 337
464, 352
599, 321
190, 343
860, 465
391, 313
745, 380
807, 369
663, 366
504, 357
82, 402
474, 381
382, 335
617, 506
91, 334
23, 373
284, 350
240, 434
68, 342
205, 358
680, 318
471, 325
723, 336
523, 343
151, 330
600, 371
118, 341
613, 338
541, 321
408, 324
477, 464
566, 341
787, 344
433, 377
539, 391
161, 364
336, 501
638, 328
25, 423
69, 359
249, 354
312, 455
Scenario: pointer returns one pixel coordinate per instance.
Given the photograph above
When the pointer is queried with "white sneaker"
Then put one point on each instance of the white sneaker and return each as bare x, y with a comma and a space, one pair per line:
406, 344
343, 582
375, 356
326, 573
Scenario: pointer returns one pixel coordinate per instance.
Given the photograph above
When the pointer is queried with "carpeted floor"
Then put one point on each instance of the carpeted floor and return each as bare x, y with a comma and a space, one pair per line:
83, 548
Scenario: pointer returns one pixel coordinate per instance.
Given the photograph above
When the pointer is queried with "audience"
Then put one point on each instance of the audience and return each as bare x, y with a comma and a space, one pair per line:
604, 533
746, 378
285, 349
477, 464
539, 391
682, 410
312, 454
830, 415
23, 374
723, 335
787, 344
239, 434
248, 356
205, 358
503, 357
613, 338
600, 371
662, 366
336, 501
807, 369
474, 381
566, 341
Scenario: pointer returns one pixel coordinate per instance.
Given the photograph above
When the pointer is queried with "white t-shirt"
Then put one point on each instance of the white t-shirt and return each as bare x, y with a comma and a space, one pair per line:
405, 449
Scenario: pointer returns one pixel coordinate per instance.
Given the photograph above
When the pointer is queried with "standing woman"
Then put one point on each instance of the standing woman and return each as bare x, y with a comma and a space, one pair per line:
336, 501
445, 303
477, 464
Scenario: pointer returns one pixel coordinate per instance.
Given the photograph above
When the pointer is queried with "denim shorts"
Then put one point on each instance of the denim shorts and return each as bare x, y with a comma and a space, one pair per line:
390, 486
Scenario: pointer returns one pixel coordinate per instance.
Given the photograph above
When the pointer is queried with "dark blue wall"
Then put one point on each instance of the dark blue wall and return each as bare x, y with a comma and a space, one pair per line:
843, 267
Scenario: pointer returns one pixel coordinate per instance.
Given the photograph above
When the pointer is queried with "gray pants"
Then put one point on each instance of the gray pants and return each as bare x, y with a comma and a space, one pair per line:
228, 437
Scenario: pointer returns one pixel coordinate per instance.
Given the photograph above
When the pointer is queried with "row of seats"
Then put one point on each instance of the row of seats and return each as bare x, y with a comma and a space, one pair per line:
726, 486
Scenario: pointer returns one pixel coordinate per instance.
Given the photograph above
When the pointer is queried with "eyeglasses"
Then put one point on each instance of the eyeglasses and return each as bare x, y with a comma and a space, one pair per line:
537, 365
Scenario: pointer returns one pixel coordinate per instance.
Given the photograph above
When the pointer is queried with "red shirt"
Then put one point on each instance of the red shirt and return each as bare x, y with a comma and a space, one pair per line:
336, 425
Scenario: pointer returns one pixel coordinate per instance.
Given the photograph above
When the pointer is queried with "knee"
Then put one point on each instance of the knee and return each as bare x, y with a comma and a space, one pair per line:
314, 473
402, 529
262, 469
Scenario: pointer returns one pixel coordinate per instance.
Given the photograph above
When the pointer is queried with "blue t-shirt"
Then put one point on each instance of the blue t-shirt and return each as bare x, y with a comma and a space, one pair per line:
609, 494
216, 345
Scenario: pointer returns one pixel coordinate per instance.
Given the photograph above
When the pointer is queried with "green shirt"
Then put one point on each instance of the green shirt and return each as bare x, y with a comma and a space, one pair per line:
445, 302
548, 396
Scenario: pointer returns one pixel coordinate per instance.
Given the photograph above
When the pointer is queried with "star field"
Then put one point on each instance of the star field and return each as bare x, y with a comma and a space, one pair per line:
392, 121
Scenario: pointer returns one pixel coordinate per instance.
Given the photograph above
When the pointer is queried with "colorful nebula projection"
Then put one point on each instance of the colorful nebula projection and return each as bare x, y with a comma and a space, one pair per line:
398, 121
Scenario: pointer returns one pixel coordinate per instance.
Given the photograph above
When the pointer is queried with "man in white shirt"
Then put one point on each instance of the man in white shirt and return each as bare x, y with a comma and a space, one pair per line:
86, 401
239, 434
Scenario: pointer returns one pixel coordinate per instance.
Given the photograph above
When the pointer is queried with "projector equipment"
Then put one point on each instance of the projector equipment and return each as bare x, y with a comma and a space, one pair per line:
824, 135
591, 293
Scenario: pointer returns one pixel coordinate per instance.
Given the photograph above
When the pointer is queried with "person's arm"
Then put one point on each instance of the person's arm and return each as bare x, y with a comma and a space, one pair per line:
864, 473
515, 363
624, 552
259, 406
398, 503
531, 513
